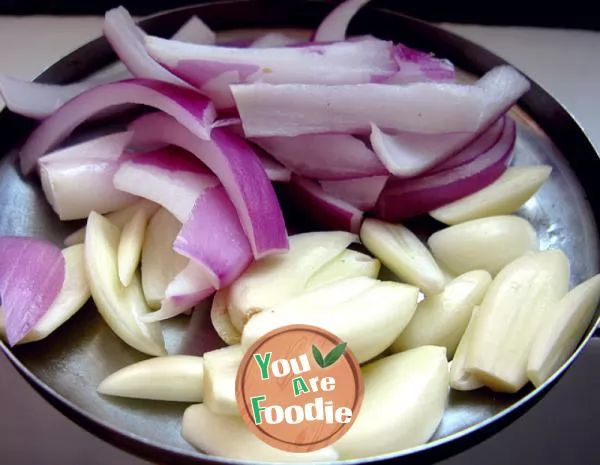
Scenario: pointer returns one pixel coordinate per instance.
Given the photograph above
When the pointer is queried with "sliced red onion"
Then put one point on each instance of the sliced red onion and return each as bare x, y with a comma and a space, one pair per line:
217, 89
214, 238
37, 100
502, 87
337, 63
76, 188
109, 147
273, 39
361, 193
418, 66
240, 171
276, 172
188, 289
170, 177
406, 198
335, 24
324, 156
195, 31
292, 109
323, 209
410, 154
127, 40
191, 109
32, 272
478, 146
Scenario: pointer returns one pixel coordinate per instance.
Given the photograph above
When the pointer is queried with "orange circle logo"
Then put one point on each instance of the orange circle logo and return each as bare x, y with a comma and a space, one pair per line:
299, 388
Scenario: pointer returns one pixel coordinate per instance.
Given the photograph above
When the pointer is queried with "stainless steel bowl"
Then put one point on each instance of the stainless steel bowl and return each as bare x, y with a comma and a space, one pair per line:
67, 367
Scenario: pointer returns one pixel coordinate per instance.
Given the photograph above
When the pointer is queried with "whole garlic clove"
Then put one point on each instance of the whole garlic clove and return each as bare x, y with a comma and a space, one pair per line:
503, 197
220, 372
121, 307
366, 313
405, 398
130, 246
441, 319
176, 378
160, 263
562, 330
461, 379
403, 253
517, 302
229, 437
485, 244
348, 264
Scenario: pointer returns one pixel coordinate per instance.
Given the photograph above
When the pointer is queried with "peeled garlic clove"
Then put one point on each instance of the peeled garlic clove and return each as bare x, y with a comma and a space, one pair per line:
121, 307
460, 379
366, 313
219, 317
405, 398
229, 437
403, 253
485, 244
220, 371
177, 378
346, 265
441, 319
130, 246
119, 218
503, 197
160, 263
74, 293
517, 302
562, 330
274, 279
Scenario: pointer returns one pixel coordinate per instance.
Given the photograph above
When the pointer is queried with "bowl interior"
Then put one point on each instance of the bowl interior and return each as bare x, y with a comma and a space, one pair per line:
73, 361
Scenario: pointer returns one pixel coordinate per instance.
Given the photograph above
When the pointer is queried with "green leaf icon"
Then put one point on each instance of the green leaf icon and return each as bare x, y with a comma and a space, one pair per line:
335, 354
318, 356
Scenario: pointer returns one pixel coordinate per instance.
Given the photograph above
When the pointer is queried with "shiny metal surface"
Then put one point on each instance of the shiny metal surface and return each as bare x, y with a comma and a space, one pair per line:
68, 366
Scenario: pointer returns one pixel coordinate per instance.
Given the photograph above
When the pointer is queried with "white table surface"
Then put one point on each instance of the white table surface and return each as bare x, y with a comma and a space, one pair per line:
566, 63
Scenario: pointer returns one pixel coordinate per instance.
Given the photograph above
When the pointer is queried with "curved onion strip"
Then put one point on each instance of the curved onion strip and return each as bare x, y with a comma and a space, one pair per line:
324, 156
407, 155
187, 106
240, 171
32, 272
361, 193
406, 198
76, 188
127, 40
211, 236
294, 109
483, 143
349, 62
335, 24
39, 100
169, 177
109, 147
214, 238
323, 209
